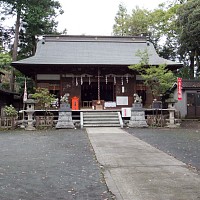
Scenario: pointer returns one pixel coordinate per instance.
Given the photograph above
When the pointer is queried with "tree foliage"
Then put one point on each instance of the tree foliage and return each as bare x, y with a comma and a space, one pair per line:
189, 28
10, 111
134, 24
43, 97
138, 22
5, 59
39, 19
163, 30
121, 27
173, 28
33, 18
158, 78
159, 25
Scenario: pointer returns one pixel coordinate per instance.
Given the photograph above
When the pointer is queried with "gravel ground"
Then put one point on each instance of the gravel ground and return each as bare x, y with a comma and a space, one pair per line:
181, 143
49, 165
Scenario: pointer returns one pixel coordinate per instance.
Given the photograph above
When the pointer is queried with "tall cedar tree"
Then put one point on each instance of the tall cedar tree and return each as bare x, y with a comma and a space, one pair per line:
32, 19
189, 37
159, 25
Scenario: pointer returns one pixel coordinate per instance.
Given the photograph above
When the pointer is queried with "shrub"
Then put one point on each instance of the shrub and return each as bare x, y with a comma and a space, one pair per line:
10, 111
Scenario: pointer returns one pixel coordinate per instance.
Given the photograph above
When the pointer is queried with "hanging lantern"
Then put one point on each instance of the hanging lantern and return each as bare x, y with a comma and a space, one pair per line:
106, 79
76, 81
127, 78
122, 80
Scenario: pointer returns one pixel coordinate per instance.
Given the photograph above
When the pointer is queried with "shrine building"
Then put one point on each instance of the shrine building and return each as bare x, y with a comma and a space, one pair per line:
92, 69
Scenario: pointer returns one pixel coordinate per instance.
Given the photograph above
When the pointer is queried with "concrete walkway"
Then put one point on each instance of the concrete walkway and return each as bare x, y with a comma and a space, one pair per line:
134, 170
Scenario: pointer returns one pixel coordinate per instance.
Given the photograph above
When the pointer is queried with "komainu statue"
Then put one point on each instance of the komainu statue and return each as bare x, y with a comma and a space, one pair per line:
137, 98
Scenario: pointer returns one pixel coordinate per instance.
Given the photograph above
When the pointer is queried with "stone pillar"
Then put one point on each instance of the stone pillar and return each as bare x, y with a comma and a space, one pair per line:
137, 116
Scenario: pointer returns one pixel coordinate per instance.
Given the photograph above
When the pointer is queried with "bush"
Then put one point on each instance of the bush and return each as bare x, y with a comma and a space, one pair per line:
10, 111
43, 97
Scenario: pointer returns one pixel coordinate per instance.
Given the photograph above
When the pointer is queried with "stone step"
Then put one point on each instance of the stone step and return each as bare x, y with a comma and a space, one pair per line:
102, 118
101, 122
101, 125
100, 114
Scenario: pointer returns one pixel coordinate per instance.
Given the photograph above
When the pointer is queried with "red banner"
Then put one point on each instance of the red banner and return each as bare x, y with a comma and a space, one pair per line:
179, 88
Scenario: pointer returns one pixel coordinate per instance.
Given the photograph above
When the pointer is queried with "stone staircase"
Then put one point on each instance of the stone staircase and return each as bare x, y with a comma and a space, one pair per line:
101, 119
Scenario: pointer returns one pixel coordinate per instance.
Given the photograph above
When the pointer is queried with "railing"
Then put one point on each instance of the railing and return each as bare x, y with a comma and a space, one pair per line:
162, 117
44, 121
120, 119
154, 118
7, 122
86, 104
157, 120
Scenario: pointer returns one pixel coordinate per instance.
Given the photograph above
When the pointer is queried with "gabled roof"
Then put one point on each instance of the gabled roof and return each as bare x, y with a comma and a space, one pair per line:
92, 50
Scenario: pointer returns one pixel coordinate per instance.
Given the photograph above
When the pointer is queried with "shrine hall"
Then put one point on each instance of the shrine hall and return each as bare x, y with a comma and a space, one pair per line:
92, 69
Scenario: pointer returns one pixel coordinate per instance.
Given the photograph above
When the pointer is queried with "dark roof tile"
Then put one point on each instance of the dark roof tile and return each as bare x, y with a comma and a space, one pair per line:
98, 50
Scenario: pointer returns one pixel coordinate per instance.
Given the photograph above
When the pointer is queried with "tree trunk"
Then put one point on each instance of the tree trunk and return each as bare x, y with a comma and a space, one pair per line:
197, 61
34, 43
192, 65
15, 46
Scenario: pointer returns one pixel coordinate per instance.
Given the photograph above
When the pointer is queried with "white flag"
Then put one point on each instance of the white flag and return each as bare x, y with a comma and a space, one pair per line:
25, 92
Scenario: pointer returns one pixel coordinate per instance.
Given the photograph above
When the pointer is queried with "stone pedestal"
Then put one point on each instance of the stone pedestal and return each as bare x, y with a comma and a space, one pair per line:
30, 126
137, 117
65, 117
172, 123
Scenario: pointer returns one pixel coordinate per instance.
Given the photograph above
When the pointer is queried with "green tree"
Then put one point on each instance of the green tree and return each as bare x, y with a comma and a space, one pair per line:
43, 97
159, 25
121, 19
163, 30
39, 19
32, 19
189, 38
138, 22
134, 24
5, 59
158, 78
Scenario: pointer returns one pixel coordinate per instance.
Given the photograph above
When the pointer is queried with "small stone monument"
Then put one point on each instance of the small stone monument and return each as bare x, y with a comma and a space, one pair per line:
137, 114
30, 104
65, 114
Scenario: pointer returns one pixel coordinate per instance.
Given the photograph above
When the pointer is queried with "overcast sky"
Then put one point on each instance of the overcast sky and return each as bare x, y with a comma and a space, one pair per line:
96, 17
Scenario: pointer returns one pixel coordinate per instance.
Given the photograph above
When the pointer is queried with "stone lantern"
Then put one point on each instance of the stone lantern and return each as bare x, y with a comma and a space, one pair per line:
30, 109
171, 101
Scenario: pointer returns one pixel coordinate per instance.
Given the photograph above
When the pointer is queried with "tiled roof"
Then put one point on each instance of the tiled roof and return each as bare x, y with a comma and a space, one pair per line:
97, 50
190, 84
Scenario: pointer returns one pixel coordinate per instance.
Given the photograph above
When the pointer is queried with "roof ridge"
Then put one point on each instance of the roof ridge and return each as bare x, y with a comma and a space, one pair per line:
84, 38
